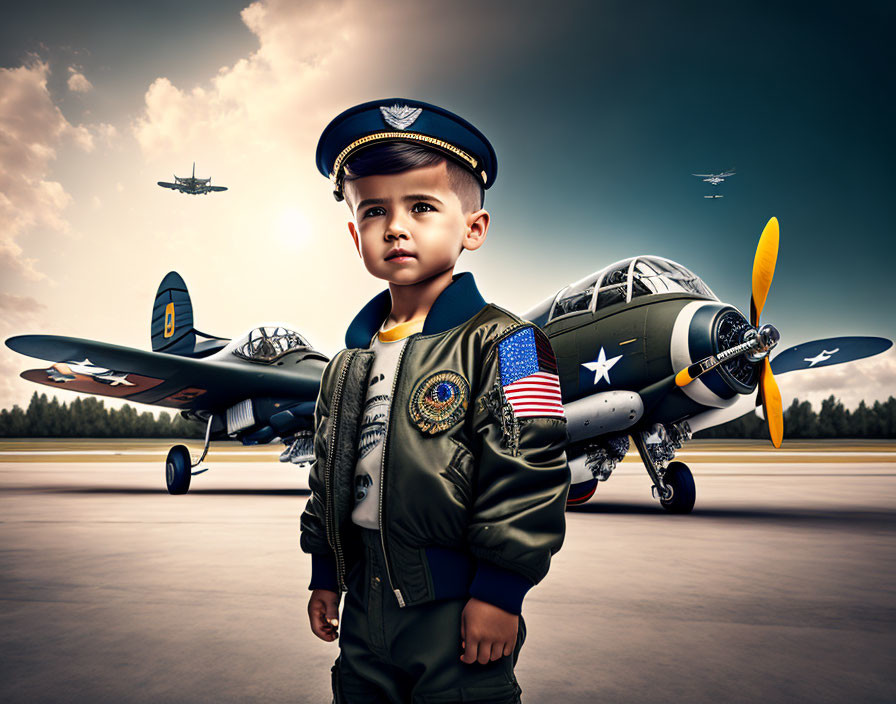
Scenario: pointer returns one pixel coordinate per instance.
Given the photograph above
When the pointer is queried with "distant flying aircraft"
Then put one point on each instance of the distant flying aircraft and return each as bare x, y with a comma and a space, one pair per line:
192, 185
715, 179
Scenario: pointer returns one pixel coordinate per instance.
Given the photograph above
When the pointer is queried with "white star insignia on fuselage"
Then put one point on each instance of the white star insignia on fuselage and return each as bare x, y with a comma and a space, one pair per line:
601, 366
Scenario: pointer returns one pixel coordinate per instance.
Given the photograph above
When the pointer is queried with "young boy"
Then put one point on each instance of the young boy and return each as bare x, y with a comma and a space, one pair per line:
440, 476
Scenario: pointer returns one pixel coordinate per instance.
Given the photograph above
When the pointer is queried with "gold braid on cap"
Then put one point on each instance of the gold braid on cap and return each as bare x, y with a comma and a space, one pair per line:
383, 136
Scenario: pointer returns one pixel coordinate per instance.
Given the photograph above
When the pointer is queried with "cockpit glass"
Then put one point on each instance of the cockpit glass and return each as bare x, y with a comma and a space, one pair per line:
575, 298
623, 281
657, 275
268, 343
614, 286
675, 275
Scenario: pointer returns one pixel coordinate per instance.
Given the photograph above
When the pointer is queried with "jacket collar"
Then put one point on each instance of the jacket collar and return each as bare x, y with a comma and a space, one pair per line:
457, 303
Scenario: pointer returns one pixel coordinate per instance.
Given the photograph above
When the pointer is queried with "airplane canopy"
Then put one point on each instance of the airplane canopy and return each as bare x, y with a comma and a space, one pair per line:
625, 280
268, 343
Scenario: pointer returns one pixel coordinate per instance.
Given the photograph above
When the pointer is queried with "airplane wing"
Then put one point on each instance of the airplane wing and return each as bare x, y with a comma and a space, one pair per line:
703, 175
826, 352
818, 353
217, 188
173, 186
161, 379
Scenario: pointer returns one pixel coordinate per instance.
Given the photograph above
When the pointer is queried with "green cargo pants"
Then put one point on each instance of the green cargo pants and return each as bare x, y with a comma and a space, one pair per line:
412, 654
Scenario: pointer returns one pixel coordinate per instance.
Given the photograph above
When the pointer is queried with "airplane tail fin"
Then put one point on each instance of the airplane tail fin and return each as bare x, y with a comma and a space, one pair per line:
171, 327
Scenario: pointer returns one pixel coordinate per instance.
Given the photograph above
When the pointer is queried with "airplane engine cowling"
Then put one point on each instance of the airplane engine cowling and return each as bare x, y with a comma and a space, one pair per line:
601, 413
704, 328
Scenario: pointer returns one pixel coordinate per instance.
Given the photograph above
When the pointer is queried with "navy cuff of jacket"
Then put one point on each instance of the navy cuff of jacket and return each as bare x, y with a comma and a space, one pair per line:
500, 587
323, 572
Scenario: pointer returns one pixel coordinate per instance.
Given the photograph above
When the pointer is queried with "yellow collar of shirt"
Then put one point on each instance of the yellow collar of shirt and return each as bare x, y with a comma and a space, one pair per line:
401, 331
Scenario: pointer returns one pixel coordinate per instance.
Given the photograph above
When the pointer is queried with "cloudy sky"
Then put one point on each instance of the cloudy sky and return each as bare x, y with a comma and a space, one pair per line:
599, 112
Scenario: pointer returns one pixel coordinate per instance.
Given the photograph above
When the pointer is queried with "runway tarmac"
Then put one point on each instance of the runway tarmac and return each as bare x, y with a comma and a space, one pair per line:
778, 588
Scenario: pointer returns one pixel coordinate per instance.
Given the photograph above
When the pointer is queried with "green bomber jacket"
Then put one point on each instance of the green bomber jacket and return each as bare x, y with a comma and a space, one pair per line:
472, 495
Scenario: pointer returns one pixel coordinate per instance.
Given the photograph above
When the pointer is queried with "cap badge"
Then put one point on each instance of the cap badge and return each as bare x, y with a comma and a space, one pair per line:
400, 116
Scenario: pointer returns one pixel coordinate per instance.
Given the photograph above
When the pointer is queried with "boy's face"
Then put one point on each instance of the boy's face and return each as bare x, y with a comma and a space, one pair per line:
418, 211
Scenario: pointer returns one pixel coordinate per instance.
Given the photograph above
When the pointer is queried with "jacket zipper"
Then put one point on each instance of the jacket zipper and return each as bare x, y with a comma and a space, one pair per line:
331, 518
395, 591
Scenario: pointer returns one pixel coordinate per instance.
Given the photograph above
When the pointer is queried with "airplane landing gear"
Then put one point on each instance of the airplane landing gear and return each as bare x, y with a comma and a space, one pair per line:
177, 470
179, 465
673, 482
680, 481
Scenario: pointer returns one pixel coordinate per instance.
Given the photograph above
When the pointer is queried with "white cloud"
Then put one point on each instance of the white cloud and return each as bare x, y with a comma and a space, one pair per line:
31, 129
18, 315
18, 311
77, 81
314, 60
106, 132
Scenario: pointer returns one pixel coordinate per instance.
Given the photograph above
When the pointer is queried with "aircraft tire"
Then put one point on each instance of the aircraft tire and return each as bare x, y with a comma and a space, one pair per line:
678, 477
177, 470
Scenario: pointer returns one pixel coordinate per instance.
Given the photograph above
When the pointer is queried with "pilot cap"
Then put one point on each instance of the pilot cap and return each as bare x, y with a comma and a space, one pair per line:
403, 120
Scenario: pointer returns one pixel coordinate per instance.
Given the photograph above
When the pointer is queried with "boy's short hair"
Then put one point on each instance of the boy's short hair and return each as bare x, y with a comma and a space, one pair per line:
395, 157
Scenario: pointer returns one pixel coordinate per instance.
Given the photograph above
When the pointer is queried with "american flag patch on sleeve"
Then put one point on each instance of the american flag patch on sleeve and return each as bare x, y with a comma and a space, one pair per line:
529, 374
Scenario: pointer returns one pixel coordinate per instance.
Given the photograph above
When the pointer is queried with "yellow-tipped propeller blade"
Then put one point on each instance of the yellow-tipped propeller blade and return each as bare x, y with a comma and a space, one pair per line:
763, 269
771, 403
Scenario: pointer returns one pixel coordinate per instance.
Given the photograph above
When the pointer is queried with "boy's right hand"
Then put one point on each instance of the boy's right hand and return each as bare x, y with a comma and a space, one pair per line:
323, 611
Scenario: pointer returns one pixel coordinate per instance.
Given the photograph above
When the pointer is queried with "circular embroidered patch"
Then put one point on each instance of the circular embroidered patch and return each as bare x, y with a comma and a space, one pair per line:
439, 401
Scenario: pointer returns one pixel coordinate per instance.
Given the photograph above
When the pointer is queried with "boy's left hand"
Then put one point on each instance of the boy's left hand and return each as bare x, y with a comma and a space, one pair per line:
488, 632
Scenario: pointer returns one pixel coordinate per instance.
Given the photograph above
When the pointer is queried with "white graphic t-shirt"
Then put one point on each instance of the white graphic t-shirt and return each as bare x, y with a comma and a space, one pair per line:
375, 417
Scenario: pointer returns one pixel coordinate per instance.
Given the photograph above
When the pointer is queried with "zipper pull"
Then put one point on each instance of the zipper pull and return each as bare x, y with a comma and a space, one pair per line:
399, 597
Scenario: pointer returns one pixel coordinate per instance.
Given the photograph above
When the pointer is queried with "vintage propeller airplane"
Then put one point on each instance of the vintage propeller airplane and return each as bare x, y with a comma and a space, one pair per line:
257, 388
646, 350
192, 185
643, 347
715, 179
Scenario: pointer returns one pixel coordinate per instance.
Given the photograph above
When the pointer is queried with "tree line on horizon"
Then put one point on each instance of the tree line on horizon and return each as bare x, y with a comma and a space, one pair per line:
88, 417
801, 421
